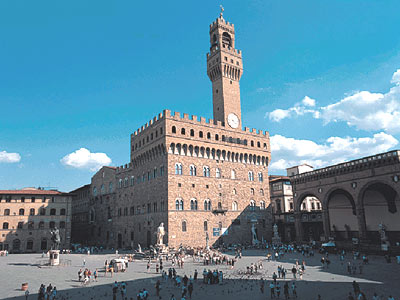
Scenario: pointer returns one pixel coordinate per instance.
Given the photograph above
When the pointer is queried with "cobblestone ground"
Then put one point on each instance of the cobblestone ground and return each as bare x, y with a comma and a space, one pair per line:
333, 283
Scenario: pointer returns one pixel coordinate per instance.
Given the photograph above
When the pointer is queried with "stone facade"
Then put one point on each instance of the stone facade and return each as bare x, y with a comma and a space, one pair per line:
80, 230
27, 215
199, 177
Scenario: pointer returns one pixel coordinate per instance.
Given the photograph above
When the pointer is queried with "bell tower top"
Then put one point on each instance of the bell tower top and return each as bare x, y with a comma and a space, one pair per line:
224, 68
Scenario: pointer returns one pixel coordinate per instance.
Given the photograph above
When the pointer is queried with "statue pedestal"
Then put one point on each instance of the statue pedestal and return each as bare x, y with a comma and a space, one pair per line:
161, 248
54, 257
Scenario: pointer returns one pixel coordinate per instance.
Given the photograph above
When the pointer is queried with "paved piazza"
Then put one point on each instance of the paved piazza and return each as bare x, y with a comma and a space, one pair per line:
334, 283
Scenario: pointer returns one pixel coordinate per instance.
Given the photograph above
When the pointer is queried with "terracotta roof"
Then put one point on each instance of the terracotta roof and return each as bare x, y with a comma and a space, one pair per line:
273, 178
30, 192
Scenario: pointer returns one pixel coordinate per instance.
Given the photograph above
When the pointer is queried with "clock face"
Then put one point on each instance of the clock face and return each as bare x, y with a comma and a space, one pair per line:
233, 120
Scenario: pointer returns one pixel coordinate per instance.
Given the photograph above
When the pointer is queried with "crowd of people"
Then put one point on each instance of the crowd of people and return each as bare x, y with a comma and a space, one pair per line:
280, 283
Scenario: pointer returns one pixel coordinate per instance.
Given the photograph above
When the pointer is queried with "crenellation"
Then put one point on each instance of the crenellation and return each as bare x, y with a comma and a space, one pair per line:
186, 116
202, 120
194, 118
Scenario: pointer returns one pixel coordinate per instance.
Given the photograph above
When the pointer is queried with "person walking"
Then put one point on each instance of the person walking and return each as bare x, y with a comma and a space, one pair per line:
158, 288
278, 289
26, 294
286, 290
262, 286
272, 289
294, 290
190, 289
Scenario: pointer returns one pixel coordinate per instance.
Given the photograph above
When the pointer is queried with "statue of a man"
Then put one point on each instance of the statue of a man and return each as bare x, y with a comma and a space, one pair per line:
160, 234
55, 238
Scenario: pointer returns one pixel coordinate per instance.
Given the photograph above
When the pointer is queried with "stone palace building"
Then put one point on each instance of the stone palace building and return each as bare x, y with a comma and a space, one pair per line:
28, 215
206, 180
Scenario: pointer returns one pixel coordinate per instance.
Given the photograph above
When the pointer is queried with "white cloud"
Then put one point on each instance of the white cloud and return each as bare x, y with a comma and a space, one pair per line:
307, 101
298, 109
363, 110
6, 157
288, 152
396, 77
84, 159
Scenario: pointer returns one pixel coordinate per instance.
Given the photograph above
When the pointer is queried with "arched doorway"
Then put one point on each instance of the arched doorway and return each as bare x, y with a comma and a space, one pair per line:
342, 215
381, 204
43, 244
16, 245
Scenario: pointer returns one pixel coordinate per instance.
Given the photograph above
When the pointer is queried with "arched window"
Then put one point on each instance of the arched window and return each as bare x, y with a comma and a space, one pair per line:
183, 226
62, 212
234, 191
218, 173
42, 211
193, 170
262, 205
133, 180
32, 212
21, 211
193, 204
102, 189
183, 131
178, 169
29, 245
220, 225
205, 226
94, 191
5, 225
208, 135
52, 224
52, 212
62, 224
110, 187
173, 129
191, 132
234, 206
251, 176
260, 177
206, 171
252, 191
200, 134
216, 137
20, 225
181, 205
226, 39
7, 212
41, 225
126, 182
120, 183
233, 174
261, 192
252, 205
252, 143
207, 204
177, 204
258, 144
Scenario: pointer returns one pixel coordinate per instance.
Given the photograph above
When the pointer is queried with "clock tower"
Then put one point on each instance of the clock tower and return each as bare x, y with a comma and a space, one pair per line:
224, 68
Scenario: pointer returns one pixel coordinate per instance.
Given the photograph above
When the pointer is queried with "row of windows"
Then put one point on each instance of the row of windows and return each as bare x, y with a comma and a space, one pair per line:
8, 199
218, 174
32, 212
31, 225
149, 208
149, 138
207, 205
130, 181
223, 138
103, 189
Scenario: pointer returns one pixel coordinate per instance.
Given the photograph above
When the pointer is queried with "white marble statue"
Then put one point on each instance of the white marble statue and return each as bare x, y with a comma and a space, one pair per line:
160, 234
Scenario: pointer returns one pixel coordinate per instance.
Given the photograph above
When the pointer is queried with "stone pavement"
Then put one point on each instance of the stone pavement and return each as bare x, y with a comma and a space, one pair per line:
333, 284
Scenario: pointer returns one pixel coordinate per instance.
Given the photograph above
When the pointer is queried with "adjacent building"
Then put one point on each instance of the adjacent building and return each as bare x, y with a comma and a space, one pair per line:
28, 215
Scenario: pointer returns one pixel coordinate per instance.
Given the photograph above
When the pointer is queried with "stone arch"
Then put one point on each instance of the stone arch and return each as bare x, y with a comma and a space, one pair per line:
379, 203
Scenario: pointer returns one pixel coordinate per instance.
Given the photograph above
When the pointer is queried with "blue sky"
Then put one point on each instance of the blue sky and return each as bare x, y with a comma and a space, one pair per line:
86, 74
